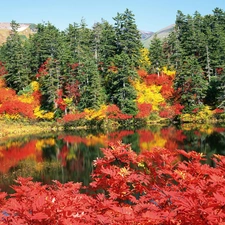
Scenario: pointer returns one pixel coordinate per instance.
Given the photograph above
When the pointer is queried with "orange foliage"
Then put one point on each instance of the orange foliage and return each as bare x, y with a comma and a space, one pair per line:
119, 135
74, 117
142, 73
113, 112
144, 110
11, 156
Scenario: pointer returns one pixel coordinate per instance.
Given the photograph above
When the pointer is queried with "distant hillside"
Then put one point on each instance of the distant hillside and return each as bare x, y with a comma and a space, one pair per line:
145, 34
24, 30
160, 34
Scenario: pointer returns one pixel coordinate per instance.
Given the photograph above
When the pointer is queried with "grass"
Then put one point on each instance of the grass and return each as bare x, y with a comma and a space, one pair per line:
16, 128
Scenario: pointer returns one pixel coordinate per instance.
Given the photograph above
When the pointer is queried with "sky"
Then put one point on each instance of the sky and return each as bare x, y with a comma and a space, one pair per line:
150, 15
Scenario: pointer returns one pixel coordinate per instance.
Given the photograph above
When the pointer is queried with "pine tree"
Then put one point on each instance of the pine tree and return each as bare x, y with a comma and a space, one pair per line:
45, 44
128, 39
191, 83
156, 55
16, 58
120, 90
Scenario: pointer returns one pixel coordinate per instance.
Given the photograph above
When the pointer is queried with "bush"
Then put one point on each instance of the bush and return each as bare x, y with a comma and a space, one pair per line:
157, 187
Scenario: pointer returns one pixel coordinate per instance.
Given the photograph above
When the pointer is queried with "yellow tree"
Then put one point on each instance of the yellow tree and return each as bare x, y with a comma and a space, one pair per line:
144, 61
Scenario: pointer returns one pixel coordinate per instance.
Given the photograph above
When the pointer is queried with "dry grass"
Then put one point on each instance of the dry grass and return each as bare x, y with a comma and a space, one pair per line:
9, 129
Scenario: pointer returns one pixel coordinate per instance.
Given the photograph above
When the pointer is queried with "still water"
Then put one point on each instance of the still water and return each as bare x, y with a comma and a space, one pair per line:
68, 156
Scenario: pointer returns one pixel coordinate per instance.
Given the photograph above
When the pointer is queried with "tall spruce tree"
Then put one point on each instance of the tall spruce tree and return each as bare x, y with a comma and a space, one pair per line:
191, 83
156, 54
16, 60
45, 44
124, 63
128, 39
122, 92
88, 77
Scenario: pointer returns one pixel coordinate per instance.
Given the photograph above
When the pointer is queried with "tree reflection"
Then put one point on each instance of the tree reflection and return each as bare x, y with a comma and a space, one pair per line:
69, 156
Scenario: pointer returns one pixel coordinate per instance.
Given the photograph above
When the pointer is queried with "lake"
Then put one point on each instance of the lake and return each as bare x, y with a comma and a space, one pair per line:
68, 156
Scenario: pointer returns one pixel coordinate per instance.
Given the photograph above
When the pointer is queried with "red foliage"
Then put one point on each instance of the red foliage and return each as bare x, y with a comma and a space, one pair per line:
43, 70
17, 107
73, 117
6, 95
72, 91
195, 110
59, 101
151, 188
119, 135
37, 98
170, 111
218, 111
3, 70
144, 110
12, 155
165, 81
113, 112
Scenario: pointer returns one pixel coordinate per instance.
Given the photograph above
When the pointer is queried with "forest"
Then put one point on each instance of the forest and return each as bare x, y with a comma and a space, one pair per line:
104, 73
104, 76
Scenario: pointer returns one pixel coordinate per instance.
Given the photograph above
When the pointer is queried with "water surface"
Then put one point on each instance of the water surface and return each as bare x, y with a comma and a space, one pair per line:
68, 156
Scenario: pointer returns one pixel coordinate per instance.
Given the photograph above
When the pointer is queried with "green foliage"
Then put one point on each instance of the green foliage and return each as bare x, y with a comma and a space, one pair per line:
98, 65
191, 83
156, 54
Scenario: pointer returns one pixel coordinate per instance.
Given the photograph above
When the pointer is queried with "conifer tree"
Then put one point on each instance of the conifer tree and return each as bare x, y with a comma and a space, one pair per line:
16, 60
156, 54
191, 83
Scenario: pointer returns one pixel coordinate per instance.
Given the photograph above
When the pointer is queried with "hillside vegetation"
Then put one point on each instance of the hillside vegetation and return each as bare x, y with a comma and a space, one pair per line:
163, 33
104, 75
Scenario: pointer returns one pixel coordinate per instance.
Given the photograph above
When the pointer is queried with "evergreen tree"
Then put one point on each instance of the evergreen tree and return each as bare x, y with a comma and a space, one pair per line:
16, 58
90, 89
156, 54
128, 39
121, 92
88, 77
191, 84
50, 84
45, 44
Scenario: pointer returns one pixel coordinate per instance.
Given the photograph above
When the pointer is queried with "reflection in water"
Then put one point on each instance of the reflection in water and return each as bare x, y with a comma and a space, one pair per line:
68, 156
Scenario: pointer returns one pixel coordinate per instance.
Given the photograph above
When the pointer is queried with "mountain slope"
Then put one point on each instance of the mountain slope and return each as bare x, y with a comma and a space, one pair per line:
160, 34
24, 30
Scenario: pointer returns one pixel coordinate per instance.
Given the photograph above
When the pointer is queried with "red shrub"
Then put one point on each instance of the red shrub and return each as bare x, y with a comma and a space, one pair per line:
144, 110
151, 188
73, 117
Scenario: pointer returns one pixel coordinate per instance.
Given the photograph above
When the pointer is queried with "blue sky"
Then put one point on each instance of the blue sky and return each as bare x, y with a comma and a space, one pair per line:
150, 15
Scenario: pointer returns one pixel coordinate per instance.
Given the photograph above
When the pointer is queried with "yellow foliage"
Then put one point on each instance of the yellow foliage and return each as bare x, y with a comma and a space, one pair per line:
168, 72
124, 172
42, 114
92, 114
148, 94
203, 114
26, 98
205, 128
95, 140
44, 142
35, 85
68, 101
11, 117
144, 59
157, 141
